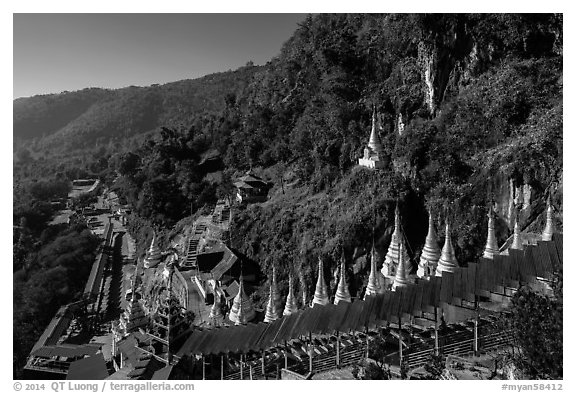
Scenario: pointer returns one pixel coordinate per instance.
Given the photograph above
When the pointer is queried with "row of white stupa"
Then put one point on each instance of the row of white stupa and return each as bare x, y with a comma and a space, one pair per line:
396, 267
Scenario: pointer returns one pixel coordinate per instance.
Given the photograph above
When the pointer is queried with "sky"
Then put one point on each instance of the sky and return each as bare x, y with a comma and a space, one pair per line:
57, 52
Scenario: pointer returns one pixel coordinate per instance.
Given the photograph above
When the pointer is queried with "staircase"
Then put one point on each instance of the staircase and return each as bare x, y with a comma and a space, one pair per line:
200, 228
191, 253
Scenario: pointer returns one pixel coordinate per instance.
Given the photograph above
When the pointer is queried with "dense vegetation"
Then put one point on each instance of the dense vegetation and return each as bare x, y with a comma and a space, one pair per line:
536, 322
53, 275
51, 263
465, 102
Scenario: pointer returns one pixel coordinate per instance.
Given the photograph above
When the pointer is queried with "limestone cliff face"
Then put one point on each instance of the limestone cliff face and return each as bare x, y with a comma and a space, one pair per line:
510, 195
450, 55
444, 60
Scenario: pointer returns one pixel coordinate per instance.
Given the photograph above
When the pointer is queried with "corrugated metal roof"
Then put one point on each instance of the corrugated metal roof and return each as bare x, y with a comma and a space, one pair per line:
55, 328
388, 307
446, 288
67, 351
338, 315
470, 289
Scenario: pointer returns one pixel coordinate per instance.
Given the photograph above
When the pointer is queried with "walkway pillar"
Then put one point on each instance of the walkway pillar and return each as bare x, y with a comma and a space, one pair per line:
337, 349
241, 367
250, 370
263, 366
203, 368
222, 367
400, 340
310, 352
476, 336
436, 347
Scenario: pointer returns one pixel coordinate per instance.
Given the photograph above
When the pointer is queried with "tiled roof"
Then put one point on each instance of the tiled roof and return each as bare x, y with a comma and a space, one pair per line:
93, 367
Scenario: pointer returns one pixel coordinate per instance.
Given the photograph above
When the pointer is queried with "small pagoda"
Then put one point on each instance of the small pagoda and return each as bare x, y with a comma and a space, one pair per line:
373, 153
393, 255
273, 305
549, 228
133, 318
430, 252
321, 293
242, 310
447, 262
376, 282
153, 255
491, 248
291, 304
401, 277
342, 293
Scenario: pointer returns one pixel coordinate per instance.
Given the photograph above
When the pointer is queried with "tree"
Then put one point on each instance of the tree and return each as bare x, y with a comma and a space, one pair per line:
129, 164
83, 200
374, 368
23, 155
536, 324
435, 367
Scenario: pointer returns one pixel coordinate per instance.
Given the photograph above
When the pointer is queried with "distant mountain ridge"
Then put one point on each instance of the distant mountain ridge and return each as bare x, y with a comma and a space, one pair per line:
78, 119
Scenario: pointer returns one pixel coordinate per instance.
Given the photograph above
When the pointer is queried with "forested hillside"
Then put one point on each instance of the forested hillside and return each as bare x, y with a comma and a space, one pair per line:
78, 120
465, 103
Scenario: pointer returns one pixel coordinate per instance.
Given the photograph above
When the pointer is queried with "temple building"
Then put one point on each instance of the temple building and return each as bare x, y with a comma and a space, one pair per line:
291, 305
251, 188
342, 293
321, 292
153, 255
170, 324
392, 256
242, 309
169, 329
447, 262
430, 252
373, 153
491, 248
